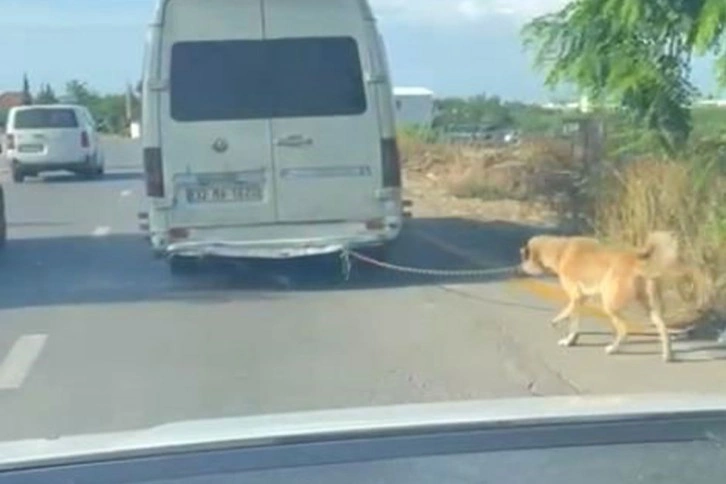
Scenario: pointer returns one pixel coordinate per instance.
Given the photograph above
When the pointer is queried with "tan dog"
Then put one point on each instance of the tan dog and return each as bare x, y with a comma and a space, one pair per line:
586, 268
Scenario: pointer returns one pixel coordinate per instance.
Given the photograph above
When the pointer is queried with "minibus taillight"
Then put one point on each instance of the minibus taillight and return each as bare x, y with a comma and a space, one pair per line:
153, 172
391, 163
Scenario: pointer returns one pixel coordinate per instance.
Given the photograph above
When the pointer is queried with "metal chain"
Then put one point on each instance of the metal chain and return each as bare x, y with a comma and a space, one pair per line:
347, 254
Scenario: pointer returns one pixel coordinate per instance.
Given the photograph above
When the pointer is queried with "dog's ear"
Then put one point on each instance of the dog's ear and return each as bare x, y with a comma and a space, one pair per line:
524, 252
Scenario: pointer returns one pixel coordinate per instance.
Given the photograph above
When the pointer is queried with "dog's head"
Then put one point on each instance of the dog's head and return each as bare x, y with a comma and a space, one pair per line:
530, 258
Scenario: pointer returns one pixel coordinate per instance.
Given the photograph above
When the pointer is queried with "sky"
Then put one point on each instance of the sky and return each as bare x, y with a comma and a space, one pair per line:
455, 47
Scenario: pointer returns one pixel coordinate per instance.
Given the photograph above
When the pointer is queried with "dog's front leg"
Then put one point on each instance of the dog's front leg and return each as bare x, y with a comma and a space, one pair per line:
574, 334
564, 314
571, 312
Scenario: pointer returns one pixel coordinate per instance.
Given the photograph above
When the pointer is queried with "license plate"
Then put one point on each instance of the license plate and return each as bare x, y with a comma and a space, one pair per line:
238, 192
30, 148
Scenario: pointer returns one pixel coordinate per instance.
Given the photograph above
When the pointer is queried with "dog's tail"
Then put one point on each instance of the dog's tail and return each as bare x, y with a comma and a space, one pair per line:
659, 254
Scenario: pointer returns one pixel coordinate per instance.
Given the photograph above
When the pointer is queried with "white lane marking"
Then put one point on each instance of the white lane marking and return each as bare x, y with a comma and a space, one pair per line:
126, 193
20, 359
101, 231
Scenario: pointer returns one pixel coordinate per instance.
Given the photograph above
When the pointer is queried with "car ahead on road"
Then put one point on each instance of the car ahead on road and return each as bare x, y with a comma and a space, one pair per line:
548, 440
41, 138
268, 130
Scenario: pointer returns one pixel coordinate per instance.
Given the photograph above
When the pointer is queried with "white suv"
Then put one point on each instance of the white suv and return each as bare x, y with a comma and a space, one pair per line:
52, 137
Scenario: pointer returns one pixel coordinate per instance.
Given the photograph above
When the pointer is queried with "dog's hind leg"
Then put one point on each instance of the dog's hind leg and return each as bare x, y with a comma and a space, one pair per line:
613, 301
651, 299
666, 351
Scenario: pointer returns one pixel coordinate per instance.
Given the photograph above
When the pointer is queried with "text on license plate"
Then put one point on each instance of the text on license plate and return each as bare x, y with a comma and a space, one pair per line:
238, 192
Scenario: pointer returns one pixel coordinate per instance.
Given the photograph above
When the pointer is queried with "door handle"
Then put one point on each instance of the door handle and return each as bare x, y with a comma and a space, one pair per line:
294, 140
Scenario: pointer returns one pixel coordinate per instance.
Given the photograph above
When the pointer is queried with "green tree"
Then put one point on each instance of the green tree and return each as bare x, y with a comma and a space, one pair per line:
634, 53
46, 95
80, 93
479, 109
109, 108
27, 96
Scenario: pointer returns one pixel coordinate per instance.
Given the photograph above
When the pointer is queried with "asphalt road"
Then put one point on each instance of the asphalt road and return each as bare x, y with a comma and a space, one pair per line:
97, 335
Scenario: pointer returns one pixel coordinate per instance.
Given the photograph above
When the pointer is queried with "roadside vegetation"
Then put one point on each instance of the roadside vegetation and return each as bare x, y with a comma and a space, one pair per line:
638, 188
663, 163
637, 56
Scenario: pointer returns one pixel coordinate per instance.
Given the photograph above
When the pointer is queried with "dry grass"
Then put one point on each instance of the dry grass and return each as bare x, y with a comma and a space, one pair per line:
533, 170
650, 194
647, 194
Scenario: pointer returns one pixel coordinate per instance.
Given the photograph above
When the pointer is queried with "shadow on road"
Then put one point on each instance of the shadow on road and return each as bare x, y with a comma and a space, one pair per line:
120, 268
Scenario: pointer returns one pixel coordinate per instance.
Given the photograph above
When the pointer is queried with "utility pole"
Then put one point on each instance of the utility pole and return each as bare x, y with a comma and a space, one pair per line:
128, 103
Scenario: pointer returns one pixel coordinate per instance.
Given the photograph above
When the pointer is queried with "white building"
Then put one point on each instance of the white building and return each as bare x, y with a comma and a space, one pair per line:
720, 103
414, 106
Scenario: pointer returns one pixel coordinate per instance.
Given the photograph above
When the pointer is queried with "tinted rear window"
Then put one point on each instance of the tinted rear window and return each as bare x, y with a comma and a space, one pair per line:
252, 79
45, 118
